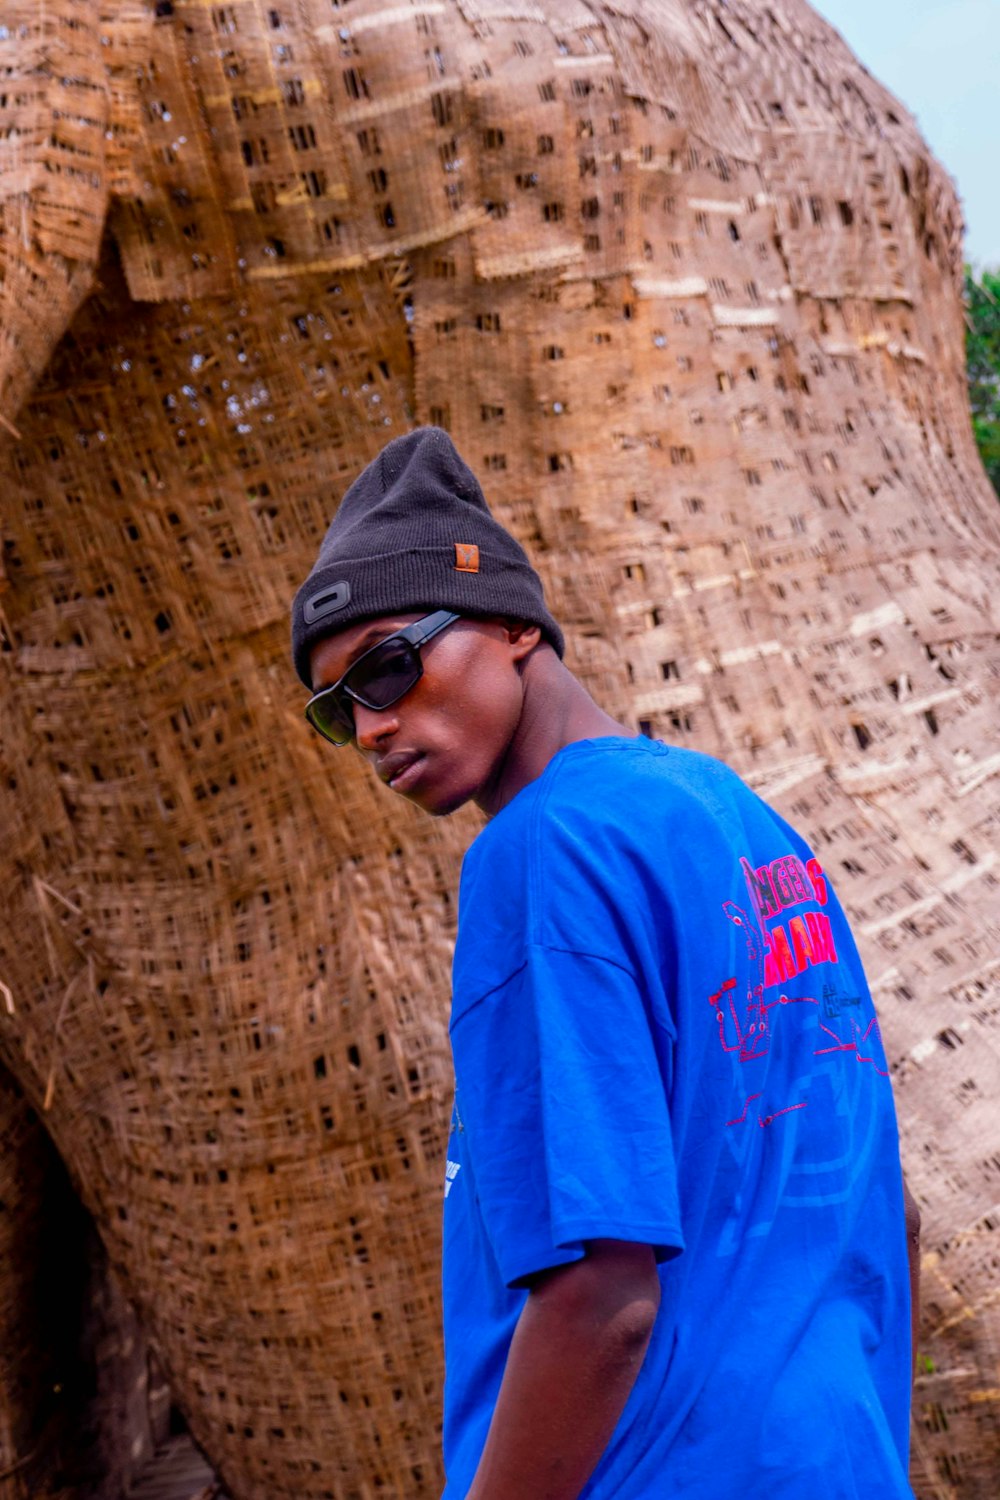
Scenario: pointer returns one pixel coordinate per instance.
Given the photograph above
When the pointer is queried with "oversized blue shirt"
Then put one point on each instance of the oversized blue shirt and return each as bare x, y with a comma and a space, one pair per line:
662, 1033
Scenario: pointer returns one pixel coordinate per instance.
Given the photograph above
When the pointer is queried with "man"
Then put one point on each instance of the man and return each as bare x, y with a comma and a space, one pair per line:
675, 1258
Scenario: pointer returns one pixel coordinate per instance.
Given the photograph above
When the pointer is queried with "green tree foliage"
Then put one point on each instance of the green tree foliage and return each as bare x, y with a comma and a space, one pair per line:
982, 349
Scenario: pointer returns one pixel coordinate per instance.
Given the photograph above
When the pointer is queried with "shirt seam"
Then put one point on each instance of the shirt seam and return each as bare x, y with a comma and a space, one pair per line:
574, 1232
601, 745
534, 853
500, 984
600, 958
596, 1229
541, 786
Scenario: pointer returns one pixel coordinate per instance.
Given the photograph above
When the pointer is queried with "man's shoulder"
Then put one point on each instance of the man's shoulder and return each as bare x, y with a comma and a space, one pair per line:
598, 781
602, 810
633, 790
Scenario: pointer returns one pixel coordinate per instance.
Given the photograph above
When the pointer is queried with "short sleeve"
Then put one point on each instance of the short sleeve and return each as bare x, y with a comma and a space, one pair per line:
562, 1093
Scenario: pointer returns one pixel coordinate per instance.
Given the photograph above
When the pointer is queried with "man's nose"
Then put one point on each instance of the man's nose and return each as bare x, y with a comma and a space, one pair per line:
373, 726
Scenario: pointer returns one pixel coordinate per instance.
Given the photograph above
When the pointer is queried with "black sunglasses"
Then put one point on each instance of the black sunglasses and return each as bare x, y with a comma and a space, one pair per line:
379, 678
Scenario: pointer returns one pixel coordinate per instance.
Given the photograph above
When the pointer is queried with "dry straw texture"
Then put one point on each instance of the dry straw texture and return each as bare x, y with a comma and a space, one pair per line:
79, 1397
682, 281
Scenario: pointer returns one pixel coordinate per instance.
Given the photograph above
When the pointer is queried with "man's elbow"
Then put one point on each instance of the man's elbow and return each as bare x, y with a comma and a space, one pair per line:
911, 1215
615, 1287
635, 1325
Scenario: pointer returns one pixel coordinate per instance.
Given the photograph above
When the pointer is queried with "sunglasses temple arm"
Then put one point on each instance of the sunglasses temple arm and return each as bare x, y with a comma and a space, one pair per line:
427, 635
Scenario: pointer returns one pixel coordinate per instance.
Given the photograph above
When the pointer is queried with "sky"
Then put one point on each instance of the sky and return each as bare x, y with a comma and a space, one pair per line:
942, 59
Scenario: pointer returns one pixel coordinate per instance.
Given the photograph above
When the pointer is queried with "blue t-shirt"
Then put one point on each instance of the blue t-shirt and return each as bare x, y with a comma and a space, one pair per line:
662, 1033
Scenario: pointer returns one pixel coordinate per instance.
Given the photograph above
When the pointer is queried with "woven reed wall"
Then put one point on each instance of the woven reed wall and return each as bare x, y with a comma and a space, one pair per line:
81, 1404
28, 1368
683, 282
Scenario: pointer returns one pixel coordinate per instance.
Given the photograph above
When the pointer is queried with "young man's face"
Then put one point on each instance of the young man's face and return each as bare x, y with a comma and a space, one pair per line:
446, 740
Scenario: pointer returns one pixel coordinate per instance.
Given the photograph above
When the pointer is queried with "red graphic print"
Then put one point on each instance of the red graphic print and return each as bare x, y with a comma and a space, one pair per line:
780, 945
858, 1040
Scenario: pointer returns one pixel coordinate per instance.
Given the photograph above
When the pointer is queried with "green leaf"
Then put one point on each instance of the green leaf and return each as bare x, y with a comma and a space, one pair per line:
982, 352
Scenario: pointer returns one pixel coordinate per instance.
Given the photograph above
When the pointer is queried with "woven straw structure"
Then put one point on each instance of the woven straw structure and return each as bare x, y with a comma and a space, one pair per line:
28, 1375
80, 1401
682, 280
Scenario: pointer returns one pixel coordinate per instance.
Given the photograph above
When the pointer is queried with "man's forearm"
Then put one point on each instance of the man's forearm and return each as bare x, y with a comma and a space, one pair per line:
912, 1215
576, 1351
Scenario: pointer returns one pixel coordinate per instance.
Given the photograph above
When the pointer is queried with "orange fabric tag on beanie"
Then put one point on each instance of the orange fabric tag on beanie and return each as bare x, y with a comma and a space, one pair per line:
466, 557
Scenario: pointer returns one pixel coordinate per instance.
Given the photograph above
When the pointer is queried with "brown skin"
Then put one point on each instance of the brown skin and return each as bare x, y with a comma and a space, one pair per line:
912, 1216
498, 676
576, 1351
583, 1333
493, 707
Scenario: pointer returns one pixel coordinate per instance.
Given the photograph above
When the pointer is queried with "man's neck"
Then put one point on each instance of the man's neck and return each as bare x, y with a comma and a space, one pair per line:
557, 711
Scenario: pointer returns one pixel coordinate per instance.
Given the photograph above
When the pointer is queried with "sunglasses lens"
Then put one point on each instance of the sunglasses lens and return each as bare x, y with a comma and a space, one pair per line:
377, 679
385, 674
333, 716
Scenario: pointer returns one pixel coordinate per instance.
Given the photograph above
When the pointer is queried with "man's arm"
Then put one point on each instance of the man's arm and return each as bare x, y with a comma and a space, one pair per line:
574, 1357
912, 1216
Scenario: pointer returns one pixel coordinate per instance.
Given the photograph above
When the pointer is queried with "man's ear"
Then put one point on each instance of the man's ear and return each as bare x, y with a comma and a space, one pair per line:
523, 637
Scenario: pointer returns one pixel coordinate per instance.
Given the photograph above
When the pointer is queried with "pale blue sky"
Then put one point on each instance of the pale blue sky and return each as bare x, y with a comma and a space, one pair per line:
942, 59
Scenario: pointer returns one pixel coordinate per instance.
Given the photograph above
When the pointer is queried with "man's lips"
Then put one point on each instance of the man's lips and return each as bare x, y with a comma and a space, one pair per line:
399, 769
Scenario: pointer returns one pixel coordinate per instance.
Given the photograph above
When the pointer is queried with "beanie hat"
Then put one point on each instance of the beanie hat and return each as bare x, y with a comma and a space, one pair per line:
414, 532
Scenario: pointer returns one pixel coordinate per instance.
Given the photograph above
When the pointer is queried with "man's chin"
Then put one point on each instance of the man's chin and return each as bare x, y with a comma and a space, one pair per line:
441, 802
446, 806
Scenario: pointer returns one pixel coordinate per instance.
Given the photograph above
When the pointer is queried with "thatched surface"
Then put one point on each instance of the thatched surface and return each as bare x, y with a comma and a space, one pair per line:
682, 280
78, 1397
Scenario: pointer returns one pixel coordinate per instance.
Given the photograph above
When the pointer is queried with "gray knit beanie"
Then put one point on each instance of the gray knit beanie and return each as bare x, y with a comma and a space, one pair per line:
414, 532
